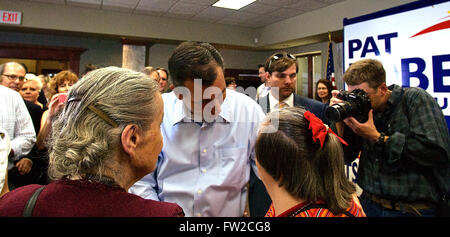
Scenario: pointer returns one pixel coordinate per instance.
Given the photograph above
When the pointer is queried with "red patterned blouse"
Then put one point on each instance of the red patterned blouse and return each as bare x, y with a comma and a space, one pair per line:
317, 209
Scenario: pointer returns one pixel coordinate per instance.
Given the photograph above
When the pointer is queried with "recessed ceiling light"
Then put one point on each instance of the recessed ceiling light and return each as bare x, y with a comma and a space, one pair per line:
232, 4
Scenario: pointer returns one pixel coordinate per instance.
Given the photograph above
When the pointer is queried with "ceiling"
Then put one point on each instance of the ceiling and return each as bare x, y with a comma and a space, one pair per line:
254, 15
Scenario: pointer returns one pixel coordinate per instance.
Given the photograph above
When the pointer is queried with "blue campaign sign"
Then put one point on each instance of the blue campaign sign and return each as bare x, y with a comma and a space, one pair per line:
412, 42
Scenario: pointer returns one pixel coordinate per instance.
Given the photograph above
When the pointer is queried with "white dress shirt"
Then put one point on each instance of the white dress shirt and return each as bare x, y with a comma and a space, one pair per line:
262, 91
274, 103
205, 167
16, 121
4, 152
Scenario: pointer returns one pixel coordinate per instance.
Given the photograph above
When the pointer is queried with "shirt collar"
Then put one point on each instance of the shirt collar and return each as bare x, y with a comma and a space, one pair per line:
396, 95
182, 114
273, 101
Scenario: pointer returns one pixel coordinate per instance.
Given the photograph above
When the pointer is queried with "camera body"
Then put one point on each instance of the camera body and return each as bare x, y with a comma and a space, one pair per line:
356, 104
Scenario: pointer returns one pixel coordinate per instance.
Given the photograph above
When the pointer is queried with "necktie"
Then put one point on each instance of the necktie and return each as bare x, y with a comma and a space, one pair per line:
281, 105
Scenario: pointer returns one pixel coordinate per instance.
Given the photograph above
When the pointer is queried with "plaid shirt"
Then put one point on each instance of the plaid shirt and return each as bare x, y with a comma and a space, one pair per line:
418, 146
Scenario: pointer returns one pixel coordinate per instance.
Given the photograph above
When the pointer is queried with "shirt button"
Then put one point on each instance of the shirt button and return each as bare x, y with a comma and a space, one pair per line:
203, 170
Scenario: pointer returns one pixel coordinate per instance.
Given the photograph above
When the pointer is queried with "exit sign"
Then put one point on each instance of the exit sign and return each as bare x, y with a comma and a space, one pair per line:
10, 17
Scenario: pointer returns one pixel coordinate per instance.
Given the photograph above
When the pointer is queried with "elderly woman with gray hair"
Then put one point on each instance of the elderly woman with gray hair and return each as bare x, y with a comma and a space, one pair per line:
106, 138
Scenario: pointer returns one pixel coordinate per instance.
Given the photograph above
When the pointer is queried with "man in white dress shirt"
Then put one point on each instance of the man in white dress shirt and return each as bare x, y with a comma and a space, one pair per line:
209, 135
264, 88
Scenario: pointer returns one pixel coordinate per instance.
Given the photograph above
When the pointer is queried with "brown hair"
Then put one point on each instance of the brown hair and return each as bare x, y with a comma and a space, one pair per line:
365, 70
280, 62
301, 166
60, 78
329, 86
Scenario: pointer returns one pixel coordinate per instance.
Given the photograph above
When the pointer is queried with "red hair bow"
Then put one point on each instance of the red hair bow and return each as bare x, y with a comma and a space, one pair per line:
319, 129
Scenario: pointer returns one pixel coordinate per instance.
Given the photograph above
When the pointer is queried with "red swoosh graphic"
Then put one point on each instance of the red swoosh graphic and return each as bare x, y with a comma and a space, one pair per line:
439, 26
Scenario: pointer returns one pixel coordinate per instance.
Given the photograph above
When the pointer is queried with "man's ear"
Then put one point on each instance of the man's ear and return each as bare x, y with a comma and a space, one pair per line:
268, 76
129, 139
383, 88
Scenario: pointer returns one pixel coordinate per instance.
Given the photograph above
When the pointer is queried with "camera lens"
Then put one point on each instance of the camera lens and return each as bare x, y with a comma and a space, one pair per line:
338, 112
333, 114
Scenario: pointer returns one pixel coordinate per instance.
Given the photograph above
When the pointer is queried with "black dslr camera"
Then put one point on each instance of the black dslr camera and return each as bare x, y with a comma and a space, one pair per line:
356, 104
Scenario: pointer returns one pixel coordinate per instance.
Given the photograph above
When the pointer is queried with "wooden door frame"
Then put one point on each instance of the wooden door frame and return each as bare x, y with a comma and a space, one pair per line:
40, 52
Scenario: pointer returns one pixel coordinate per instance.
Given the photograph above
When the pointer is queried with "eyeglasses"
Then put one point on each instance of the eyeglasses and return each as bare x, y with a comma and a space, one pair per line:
14, 77
280, 56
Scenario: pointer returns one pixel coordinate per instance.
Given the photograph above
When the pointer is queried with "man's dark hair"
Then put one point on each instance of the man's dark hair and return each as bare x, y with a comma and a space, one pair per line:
260, 65
194, 60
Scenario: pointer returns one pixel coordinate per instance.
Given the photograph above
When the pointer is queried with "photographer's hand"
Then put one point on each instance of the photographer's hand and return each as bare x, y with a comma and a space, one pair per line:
334, 100
365, 130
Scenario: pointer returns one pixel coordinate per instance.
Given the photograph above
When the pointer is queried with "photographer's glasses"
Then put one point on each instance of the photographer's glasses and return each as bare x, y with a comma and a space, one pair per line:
280, 56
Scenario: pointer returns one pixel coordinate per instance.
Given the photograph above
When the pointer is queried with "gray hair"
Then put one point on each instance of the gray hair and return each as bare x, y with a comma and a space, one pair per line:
31, 77
87, 133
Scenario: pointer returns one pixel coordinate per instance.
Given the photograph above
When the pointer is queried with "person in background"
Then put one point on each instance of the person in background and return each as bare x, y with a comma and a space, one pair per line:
31, 88
209, 133
5, 147
323, 91
264, 88
301, 164
59, 85
103, 141
163, 79
152, 73
404, 146
15, 118
89, 67
231, 83
45, 91
281, 71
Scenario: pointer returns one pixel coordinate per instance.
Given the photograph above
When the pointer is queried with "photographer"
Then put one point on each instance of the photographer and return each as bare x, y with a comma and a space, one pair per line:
404, 160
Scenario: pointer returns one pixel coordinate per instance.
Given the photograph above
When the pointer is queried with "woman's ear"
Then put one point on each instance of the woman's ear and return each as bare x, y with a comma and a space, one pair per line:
129, 139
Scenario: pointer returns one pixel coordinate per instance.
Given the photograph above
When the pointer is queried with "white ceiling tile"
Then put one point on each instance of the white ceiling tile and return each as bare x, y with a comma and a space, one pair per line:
331, 1
85, 3
286, 12
258, 8
120, 3
186, 8
155, 5
257, 14
216, 12
201, 2
279, 3
308, 5
63, 2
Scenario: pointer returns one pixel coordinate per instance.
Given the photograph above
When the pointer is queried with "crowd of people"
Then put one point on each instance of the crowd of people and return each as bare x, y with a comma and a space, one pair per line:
122, 143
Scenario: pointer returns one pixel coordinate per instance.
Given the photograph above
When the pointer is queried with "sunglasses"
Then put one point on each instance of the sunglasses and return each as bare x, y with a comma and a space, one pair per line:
280, 56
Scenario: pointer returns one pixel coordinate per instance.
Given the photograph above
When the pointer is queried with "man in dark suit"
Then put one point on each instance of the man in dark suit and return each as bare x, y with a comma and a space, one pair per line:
281, 74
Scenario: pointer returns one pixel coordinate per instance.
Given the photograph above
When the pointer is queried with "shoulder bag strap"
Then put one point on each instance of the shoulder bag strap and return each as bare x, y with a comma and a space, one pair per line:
28, 210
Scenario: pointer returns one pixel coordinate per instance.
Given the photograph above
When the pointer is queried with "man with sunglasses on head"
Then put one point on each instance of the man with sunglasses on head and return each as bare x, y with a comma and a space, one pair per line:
282, 69
15, 119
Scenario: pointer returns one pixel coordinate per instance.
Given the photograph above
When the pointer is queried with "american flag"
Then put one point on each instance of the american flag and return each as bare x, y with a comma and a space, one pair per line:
330, 64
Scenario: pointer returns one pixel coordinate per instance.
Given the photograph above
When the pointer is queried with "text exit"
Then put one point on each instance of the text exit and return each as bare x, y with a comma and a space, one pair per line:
10, 17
